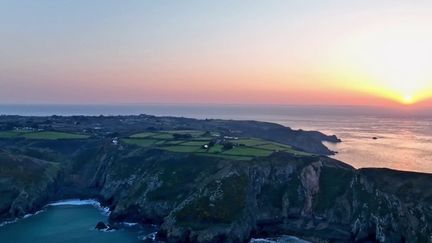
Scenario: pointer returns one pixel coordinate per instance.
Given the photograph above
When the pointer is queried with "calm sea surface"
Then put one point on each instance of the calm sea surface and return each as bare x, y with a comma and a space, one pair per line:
67, 223
404, 136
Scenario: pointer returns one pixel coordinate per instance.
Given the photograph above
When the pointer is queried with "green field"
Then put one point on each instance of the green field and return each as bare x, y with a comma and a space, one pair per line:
12, 134
248, 151
243, 149
46, 135
274, 146
183, 149
194, 143
168, 134
251, 141
194, 133
140, 142
224, 156
143, 135
215, 149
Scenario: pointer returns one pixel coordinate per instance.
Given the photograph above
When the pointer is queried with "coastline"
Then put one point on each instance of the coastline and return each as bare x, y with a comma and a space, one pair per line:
72, 202
199, 199
79, 202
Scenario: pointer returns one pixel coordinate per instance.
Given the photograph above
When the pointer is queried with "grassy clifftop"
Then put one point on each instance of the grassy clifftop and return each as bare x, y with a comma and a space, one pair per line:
209, 144
204, 186
76, 127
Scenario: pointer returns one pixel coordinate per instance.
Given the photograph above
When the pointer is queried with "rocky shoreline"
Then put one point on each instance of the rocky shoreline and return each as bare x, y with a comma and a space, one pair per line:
314, 198
196, 198
71, 202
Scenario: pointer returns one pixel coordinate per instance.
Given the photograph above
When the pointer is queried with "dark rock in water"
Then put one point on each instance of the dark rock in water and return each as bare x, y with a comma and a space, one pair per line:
195, 198
333, 139
101, 226
112, 227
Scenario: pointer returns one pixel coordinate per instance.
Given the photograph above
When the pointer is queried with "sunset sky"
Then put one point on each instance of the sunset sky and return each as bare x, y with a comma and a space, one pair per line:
255, 52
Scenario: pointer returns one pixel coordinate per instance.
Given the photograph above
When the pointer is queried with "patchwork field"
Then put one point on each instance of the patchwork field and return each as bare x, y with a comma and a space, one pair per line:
181, 141
209, 144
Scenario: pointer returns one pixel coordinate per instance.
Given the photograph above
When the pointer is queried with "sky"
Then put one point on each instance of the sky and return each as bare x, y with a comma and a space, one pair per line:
238, 52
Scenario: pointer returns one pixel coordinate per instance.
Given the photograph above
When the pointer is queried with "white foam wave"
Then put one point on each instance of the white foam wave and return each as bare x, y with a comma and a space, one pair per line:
8, 222
17, 219
108, 230
151, 236
32, 214
71, 202
129, 224
75, 202
284, 239
79, 202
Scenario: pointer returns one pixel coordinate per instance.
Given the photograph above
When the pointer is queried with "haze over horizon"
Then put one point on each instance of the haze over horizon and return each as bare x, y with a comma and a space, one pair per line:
243, 52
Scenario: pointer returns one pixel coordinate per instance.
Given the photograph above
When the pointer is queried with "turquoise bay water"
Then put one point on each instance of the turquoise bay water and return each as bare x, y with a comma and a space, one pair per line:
67, 223
404, 142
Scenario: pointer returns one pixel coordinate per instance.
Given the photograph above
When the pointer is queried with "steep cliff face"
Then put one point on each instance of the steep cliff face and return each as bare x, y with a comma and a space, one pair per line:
25, 184
393, 205
208, 199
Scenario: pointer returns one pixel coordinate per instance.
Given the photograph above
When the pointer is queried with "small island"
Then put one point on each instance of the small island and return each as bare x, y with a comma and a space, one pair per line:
208, 180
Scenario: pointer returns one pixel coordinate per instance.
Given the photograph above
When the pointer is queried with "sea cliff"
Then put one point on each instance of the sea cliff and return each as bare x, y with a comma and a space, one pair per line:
196, 198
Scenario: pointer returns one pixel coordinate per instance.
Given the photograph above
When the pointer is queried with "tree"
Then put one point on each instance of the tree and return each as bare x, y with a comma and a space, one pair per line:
10, 125
228, 145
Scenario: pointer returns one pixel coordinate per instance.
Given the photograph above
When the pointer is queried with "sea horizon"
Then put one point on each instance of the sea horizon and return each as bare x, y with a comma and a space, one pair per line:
403, 139
71, 109
216, 121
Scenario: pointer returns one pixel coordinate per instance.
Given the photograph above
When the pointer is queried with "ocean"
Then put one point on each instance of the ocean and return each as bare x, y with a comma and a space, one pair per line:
70, 221
403, 136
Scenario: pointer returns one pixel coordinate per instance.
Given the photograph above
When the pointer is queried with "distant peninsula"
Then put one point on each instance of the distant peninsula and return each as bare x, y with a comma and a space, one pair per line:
208, 180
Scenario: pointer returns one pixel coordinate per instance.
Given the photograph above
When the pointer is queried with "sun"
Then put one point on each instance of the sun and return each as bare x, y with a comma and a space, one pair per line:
393, 62
407, 99
399, 65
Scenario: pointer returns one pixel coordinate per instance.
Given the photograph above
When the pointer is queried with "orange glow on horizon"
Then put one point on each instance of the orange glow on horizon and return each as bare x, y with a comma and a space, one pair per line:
375, 54
388, 60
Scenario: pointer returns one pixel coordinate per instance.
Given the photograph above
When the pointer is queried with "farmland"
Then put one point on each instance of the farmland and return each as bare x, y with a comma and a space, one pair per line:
42, 135
209, 144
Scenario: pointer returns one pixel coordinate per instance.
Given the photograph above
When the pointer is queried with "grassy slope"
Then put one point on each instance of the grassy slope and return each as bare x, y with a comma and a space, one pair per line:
250, 147
21, 176
49, 135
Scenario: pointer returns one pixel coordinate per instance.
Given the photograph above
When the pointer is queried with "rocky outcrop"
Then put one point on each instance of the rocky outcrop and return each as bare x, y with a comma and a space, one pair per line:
310, 178
316, 198
206, 199
26, 184
101, 226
